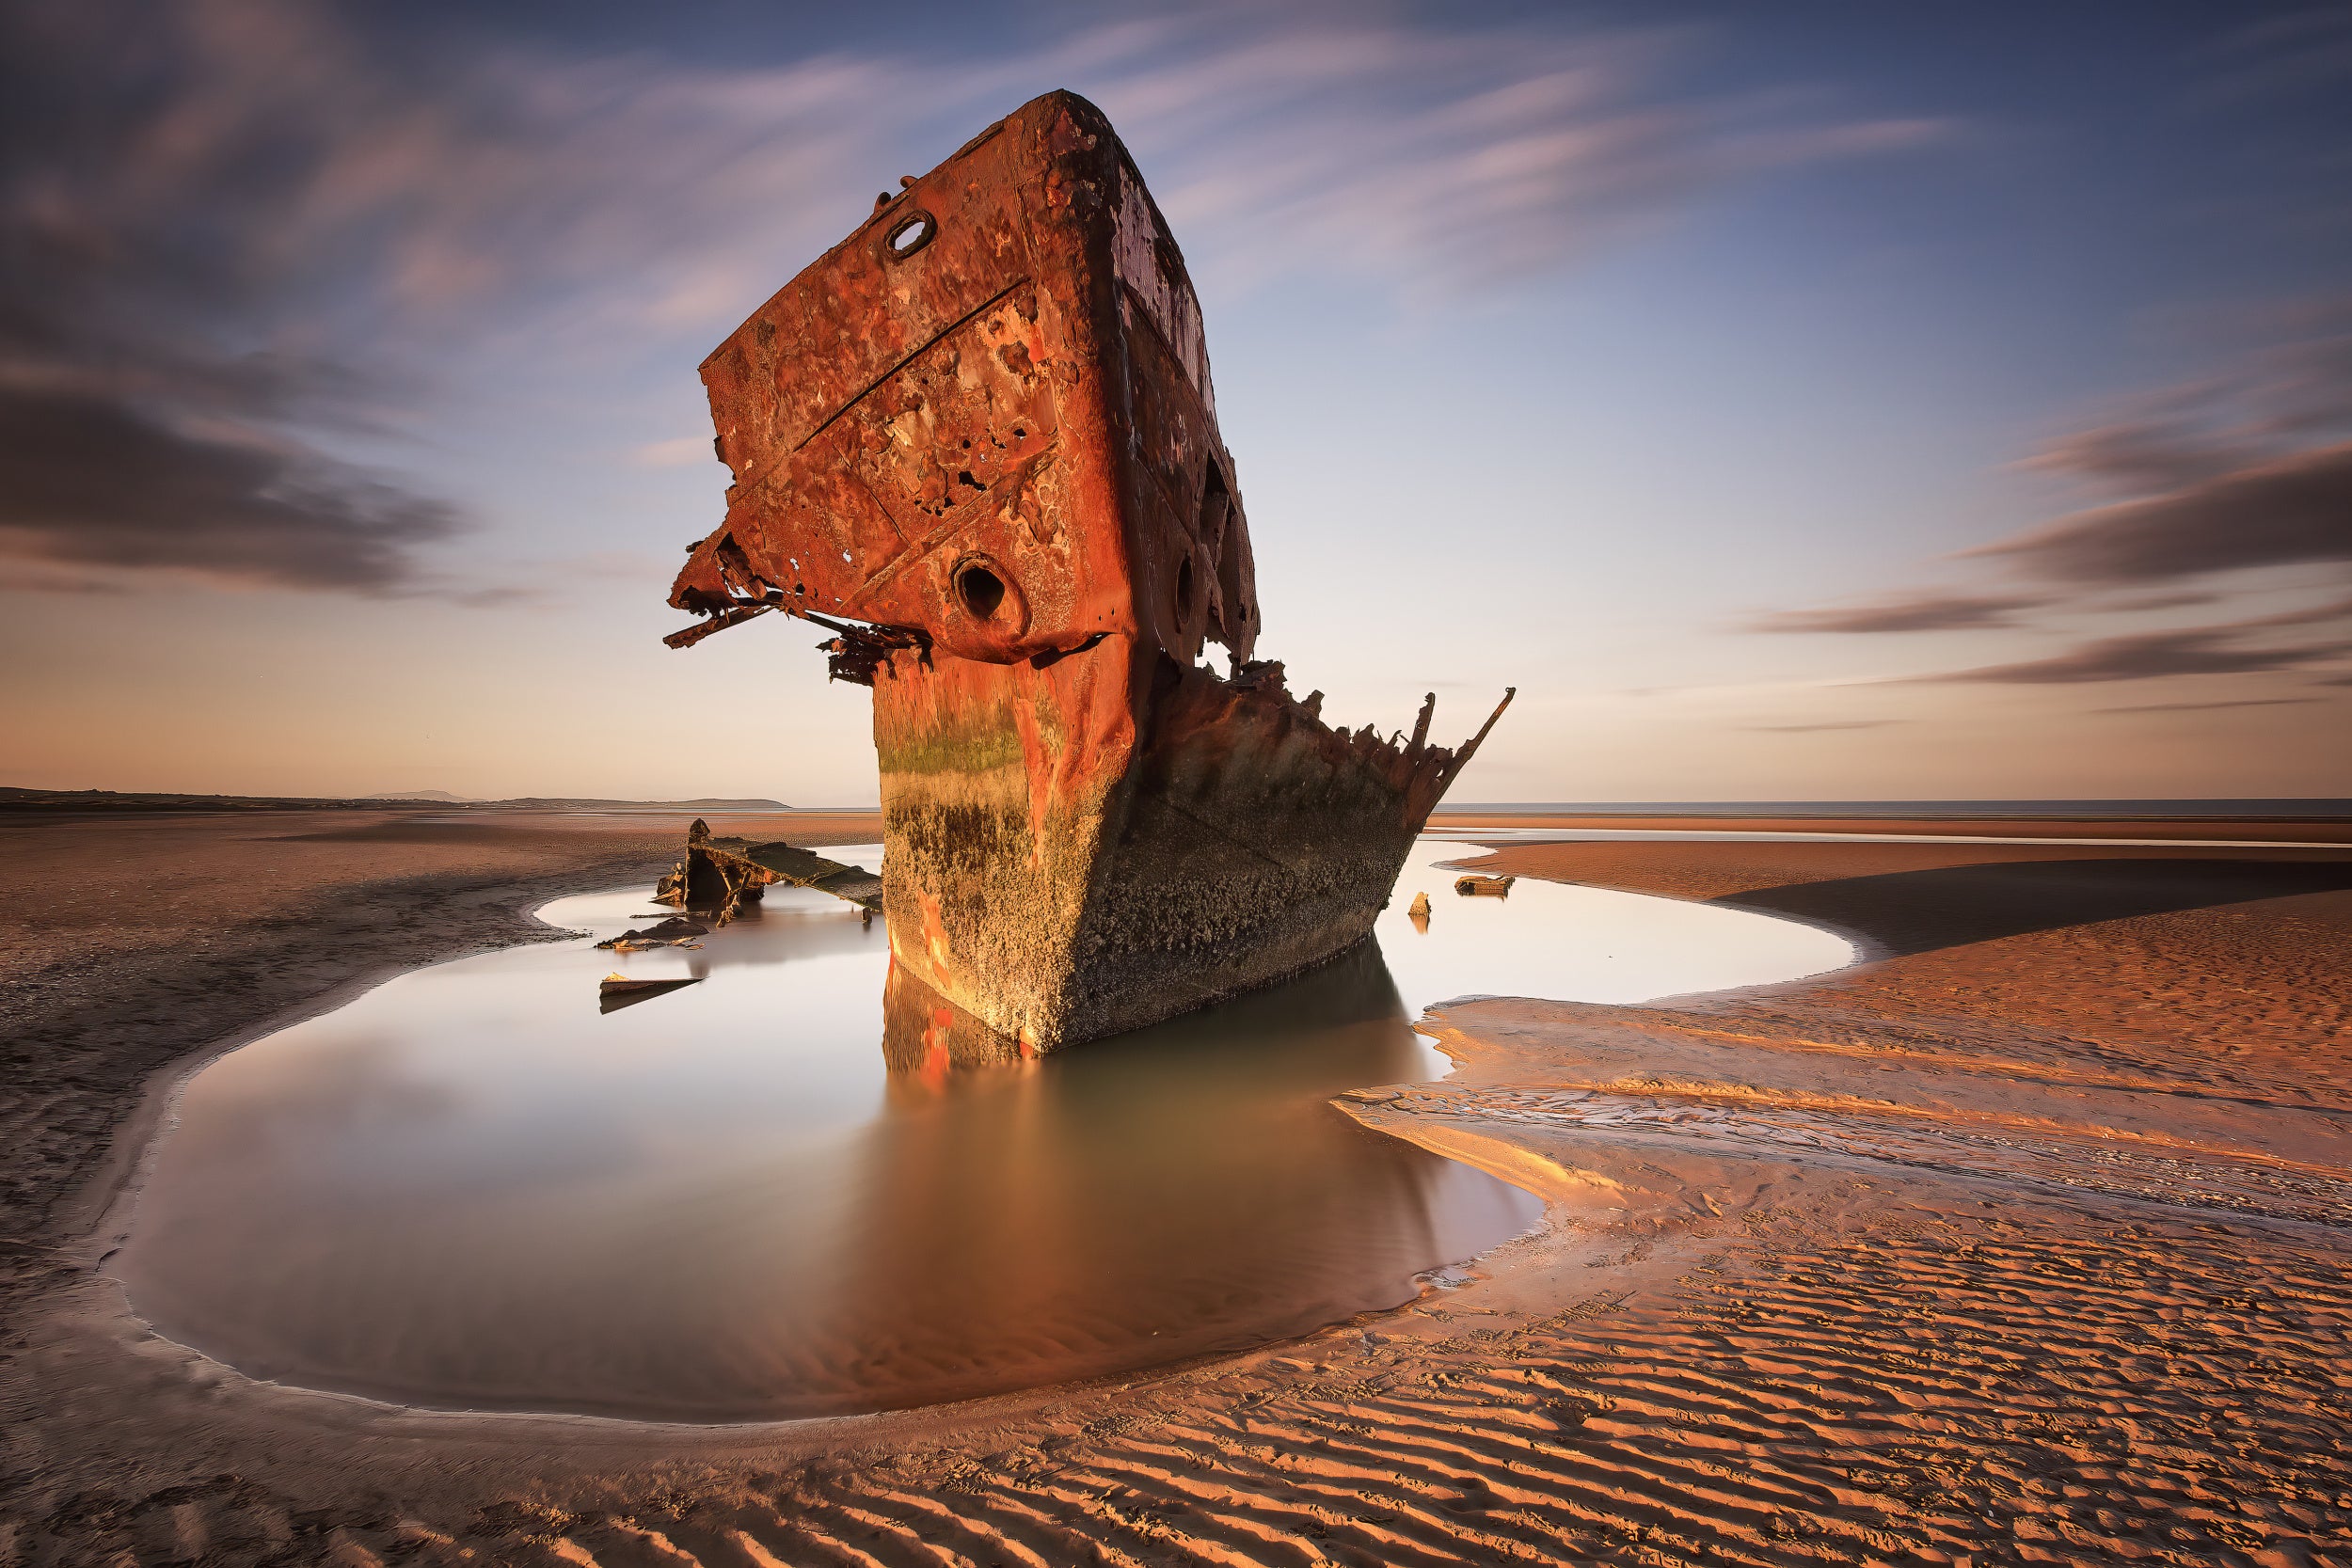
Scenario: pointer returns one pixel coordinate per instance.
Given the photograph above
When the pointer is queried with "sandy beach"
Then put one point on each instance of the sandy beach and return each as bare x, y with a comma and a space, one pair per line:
2028, 1238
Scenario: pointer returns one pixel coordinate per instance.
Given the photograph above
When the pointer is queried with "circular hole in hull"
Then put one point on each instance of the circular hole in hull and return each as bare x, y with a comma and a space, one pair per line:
981, 591
909, 234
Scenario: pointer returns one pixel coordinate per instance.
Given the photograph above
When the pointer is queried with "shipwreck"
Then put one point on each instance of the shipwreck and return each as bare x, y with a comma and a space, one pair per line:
976, 444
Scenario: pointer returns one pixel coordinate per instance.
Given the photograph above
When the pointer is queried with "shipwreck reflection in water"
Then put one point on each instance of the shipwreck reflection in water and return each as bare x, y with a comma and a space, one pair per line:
1177, 1191
467, 1189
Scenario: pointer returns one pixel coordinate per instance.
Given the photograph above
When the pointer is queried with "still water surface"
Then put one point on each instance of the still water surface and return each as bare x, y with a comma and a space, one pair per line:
469, 1189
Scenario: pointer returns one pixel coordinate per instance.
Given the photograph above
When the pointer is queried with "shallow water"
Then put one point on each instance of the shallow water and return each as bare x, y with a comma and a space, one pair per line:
469, 1189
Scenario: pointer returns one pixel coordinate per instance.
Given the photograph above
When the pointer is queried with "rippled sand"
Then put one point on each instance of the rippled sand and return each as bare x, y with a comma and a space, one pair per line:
2028, 1242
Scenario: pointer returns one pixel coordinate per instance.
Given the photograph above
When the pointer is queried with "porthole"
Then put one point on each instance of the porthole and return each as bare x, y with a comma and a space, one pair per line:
981, 591
907, 234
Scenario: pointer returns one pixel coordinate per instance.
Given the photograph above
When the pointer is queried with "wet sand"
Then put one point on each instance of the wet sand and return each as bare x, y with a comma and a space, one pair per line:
2030, 1240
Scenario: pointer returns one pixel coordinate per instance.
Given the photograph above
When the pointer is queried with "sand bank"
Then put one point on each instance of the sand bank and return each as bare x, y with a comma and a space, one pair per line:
2026, 1240
2317, 830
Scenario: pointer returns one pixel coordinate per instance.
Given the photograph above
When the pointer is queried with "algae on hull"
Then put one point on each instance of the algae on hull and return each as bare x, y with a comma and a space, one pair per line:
977, 442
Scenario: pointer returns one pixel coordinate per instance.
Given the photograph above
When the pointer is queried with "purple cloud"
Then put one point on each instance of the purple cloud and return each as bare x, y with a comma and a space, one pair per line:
92, 483
2199, 707
1808, 729
2309, 615
2147, 655
1916, 612
2139, 456
2286, 511
2142, 602
2245, 468
238, 225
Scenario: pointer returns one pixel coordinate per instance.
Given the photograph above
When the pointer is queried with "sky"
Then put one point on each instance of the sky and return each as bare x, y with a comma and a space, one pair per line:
1806, 402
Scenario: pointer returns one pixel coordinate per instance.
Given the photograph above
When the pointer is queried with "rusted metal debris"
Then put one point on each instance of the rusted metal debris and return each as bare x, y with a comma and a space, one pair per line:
662, 933
976, 443
1484, 887
617, 991
719, 876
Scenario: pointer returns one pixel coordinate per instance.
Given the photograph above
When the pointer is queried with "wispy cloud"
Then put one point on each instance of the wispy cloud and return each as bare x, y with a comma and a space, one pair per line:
1811, 729
2199, 707
248, 232
2196, 650
1924, 611
2306, 615
1438, 156
2282, 512
94, 482
2307, 50
242, 232
2248, 467
2182, 599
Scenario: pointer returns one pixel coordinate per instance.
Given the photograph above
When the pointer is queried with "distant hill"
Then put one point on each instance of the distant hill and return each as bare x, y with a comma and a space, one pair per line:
576, 803
568, 802
12, 798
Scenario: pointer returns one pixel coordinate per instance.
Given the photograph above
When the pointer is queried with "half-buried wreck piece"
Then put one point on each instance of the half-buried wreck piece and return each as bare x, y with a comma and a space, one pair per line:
976, 443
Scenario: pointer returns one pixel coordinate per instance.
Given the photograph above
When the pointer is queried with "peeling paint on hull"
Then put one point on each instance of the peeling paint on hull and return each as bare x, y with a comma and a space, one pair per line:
977, 443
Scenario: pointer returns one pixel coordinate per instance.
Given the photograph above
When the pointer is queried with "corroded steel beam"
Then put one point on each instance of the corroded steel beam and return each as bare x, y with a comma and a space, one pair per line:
719, 876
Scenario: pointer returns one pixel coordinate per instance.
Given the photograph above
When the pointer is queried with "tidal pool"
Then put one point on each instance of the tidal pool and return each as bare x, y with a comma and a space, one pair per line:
469, 1189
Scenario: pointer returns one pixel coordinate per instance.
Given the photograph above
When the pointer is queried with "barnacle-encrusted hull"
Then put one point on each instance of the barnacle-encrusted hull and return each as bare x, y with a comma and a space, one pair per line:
978, 442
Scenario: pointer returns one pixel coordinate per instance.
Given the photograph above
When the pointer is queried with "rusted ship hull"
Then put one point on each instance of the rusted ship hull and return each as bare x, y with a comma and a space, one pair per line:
978, 442
1240, 840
